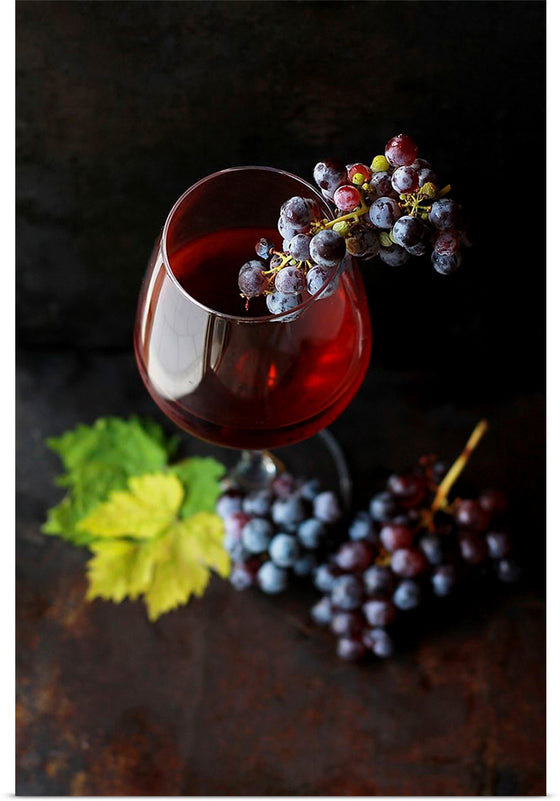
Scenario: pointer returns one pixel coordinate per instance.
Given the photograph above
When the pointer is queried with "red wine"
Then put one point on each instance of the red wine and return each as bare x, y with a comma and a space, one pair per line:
208, 268
241, 382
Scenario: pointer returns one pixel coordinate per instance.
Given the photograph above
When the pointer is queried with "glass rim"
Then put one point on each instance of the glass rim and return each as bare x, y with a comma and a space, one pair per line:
232, 317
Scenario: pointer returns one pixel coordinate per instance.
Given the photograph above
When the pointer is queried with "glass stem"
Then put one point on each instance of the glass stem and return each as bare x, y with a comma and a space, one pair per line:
256, 470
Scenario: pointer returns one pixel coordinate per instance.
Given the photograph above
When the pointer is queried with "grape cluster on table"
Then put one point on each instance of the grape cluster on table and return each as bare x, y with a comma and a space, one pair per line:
393, 559
394, 209
275, 534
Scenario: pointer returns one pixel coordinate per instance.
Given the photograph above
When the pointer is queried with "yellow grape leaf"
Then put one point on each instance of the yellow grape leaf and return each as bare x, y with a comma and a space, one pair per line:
145, 510
202, 540
109, 570
195, 545
166, 570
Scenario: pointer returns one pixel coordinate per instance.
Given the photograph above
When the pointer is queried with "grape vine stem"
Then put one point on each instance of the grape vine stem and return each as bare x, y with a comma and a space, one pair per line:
458, 466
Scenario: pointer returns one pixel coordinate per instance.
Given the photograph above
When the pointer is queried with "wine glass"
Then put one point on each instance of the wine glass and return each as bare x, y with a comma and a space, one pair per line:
241, 378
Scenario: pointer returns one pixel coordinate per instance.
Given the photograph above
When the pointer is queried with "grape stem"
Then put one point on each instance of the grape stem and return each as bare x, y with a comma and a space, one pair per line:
440, 499
352, 215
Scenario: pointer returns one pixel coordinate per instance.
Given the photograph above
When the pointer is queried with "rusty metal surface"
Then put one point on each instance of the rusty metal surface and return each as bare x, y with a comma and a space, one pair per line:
236, 694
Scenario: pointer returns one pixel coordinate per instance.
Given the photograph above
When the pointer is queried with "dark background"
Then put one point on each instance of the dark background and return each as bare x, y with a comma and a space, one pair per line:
120, 107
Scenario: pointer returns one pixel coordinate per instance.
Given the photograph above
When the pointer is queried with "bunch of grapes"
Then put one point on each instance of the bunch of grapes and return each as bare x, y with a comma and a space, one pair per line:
394, 208
311, 256
409, 545
274, 533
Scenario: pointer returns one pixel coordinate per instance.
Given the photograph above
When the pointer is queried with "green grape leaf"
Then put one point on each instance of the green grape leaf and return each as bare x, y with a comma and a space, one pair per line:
100, 458
200, 478
151, 527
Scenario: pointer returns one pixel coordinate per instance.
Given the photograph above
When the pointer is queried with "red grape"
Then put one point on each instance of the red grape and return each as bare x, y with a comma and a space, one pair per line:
354, 556
394, 536
347, 198
400, 150
408, 562
470, 514
359, 169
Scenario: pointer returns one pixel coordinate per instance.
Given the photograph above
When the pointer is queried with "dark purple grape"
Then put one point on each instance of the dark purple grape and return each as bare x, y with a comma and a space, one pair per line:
329, 175
431, 547
408, 562
284, 550
290, 280
234, 524
324, 578
243, 574
445, 265
394, 255
473, 548
508, 571
347, 624
494, 502
298, 247
263, 247
420, 164
407, 595
229, 503
305, 565
470, 514
347, 593
252, 281
383, 506
446, 213
354, 557
311, 532
234, 547
288, 512
426, 176
378, 641
498, 544
280, 303
318, 277
381, 183
408, 232
363, 243
326, 507
296, 212
401, 150
257, 503
286, 230
272, 579
350, 650
443, 580
361, 528
404, 180
408, 488
283, 485
310, 489
447, 243
394, 536
322, 612
314, 208
384, 212
379, 613
419, 249
377, 579
256, 535
327, 248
